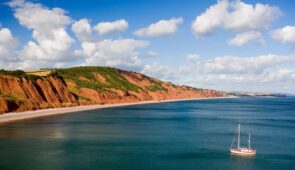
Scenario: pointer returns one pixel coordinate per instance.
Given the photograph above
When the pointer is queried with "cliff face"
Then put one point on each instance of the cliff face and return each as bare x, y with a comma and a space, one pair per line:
21, 94
85, 86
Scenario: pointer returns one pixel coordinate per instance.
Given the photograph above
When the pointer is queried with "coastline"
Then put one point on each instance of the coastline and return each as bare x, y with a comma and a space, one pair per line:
18, 116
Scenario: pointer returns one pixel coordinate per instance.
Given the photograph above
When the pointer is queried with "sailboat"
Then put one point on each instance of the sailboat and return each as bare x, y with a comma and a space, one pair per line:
240, 150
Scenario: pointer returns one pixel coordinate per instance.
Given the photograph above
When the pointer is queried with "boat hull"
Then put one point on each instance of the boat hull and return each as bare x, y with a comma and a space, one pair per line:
243, 152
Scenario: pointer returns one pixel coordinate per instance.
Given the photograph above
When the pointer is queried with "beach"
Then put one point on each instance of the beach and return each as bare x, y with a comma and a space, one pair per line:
17, 116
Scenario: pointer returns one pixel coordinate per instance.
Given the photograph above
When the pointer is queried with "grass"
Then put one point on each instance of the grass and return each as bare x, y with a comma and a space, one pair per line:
157, 86
112, 76
74, 91
39, 72
20, 74
15, 73
191, 88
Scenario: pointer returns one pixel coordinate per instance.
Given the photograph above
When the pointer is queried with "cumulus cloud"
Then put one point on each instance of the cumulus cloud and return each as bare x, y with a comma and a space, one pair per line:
121, 53
116, 53
82, 29
192, 57
159, 71
236, 16
246, 37
8, 45
36, 17
281, 74
108, 27
243, 65
256, 73
52, 42
285, 34
246, 16
278, 80
150, 54
212, 18
160, 28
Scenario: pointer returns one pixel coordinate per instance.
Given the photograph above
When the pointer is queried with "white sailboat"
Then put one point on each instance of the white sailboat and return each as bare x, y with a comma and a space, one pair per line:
239, 150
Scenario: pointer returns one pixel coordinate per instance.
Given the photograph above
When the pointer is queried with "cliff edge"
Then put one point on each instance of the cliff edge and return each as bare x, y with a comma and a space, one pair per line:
21, 91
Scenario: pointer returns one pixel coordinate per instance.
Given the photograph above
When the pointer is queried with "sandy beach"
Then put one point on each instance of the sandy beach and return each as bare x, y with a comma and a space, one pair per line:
17, 116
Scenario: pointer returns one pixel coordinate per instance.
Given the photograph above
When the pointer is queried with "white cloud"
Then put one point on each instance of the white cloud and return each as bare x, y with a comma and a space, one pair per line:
246, 37
52, 42
236, 16
151, 54
82, 29
245, 65
266, 73
53, 48
278, 80
212, 18
108, 27
160, 28
256, 73
192, 57
37, 17
116, 53
285, 34
8, 45
121, 53
159, 71
281, 74
249, 17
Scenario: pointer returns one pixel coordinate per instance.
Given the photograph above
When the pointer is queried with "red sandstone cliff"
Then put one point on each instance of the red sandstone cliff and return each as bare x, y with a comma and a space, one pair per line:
22, 94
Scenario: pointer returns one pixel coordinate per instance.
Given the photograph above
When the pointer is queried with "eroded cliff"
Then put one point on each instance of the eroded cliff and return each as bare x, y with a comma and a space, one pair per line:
85, 86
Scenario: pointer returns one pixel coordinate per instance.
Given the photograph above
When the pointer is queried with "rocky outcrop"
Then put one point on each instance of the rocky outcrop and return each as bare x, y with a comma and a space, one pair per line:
22, 94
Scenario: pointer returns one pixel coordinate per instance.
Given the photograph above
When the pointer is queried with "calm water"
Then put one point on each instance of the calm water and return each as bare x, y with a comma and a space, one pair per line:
178, 135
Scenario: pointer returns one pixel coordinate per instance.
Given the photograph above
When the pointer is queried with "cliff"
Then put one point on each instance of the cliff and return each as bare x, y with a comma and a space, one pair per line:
20, 91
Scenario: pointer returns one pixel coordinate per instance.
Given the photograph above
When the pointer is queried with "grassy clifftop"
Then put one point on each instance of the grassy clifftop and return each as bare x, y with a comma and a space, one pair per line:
19, 73
97, 78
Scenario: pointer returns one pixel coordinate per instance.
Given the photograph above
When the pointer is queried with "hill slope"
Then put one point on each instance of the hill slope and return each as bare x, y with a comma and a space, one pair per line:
20, 91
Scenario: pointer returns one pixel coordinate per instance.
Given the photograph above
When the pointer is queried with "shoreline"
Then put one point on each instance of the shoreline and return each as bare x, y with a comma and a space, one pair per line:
19, 116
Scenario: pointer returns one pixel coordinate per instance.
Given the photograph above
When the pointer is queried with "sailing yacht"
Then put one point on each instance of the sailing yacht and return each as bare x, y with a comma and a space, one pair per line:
239, 150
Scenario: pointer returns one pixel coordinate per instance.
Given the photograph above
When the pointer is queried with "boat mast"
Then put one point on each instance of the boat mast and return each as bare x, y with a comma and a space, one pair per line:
239, 136
249, 140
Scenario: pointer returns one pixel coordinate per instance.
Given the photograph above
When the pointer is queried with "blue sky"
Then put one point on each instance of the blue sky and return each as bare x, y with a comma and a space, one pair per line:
225, 45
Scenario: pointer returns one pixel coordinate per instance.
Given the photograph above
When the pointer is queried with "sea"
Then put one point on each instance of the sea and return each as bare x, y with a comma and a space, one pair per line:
184, 135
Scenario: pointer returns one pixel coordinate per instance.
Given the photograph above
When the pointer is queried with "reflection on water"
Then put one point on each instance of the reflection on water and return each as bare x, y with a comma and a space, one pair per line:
179, 135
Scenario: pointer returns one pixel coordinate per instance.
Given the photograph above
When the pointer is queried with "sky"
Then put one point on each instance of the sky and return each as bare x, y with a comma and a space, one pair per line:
227, 45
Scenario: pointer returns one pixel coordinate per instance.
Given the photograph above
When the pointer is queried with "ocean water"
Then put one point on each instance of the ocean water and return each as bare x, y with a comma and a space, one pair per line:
177, 135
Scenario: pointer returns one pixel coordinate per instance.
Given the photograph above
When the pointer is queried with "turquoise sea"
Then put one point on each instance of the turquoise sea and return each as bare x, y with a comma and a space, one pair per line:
177, 135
